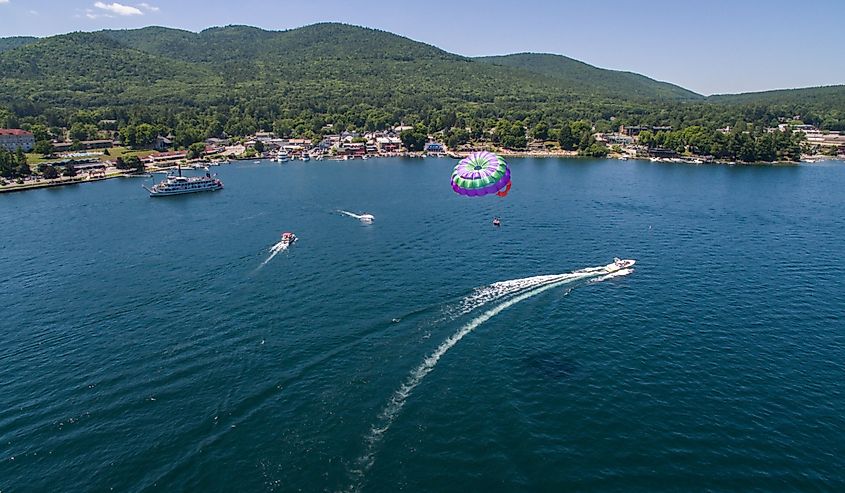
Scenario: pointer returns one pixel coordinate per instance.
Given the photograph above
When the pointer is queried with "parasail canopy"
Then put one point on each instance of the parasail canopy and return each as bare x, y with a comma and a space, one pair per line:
481, 173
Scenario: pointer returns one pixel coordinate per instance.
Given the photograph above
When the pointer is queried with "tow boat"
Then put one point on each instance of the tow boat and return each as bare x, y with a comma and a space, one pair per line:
287, 239
619, 264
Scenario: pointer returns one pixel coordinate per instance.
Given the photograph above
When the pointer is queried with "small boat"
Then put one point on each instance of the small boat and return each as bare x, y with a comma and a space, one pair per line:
306, 157
367, 218
496, 222
619, 264
287, 239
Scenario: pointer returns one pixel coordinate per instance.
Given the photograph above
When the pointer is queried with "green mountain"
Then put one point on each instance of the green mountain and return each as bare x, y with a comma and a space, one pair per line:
589, 78
244, 78
316, 67
14, 42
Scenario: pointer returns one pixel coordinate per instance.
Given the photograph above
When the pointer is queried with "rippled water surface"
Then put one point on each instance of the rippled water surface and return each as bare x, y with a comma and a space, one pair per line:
149, 344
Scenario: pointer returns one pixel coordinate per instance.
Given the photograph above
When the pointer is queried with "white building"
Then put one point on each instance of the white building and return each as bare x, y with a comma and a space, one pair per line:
13, 138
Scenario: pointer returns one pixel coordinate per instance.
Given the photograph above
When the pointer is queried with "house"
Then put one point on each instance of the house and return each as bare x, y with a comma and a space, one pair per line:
304, 143
165, 156
13, 139
660, 152
214, 141
388, 144
633, 131
96, 144
163, 143
355, 148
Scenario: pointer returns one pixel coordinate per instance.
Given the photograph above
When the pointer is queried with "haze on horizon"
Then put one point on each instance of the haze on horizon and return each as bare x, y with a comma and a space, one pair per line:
710, 47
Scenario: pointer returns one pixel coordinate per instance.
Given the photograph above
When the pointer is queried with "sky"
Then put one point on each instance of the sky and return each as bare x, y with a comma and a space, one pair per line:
711, 47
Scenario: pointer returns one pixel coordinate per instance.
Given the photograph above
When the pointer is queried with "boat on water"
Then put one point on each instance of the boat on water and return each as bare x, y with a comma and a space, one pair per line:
367, 218
496, 222
619, 264
305, 157
287, 239
282, 157
178, 184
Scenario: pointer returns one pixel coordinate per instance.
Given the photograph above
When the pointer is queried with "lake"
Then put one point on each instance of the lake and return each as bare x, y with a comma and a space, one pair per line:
154, 344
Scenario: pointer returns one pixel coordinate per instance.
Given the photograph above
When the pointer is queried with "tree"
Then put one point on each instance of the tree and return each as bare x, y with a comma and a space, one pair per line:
197, 150
646, 138
70, 170
43, 147
259, 146
47, 171
413, 140
22, 168
540, 131
566, 140
133, 162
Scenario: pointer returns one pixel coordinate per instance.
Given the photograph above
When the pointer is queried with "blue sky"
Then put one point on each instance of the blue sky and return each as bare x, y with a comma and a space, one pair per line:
710, 47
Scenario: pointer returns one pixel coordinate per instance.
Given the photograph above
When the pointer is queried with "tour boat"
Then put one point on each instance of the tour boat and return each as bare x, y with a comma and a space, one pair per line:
178, 185
282, 157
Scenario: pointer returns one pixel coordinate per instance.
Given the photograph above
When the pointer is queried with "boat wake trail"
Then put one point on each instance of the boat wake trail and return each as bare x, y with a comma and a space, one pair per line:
513, 292
350, 214
364, 218
274, 250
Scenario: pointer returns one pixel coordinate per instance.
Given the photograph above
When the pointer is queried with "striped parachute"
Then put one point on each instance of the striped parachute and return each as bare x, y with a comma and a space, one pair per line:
482, 173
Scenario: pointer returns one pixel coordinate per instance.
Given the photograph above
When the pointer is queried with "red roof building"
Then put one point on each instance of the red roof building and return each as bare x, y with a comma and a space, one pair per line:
13, 139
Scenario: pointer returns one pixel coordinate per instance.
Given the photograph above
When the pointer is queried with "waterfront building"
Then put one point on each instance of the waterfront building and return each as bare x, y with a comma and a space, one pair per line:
13, 139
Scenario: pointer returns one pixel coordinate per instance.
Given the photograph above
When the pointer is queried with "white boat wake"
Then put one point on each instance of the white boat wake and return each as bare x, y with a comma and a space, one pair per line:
275, 250
364, 218
519, 290
612, 275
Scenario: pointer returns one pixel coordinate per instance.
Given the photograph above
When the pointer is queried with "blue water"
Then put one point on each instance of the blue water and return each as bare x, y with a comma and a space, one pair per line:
148, 344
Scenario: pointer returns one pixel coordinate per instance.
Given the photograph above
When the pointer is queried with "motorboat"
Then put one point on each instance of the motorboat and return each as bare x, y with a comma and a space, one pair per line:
287, 239
282, 157
496, 222
619, 264
366, 218
305, 157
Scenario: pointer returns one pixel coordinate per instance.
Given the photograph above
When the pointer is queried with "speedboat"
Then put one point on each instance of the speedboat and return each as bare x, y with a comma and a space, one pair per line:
496, 222
366, 218
619, 264
287, 239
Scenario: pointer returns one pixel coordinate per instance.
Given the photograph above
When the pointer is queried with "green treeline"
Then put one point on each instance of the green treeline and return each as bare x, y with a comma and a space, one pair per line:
741, 144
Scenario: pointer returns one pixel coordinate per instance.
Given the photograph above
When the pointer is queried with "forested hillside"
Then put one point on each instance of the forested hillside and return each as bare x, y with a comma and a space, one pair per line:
238, 79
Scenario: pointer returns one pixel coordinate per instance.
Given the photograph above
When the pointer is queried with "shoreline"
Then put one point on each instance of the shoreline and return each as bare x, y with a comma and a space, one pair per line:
65, 181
